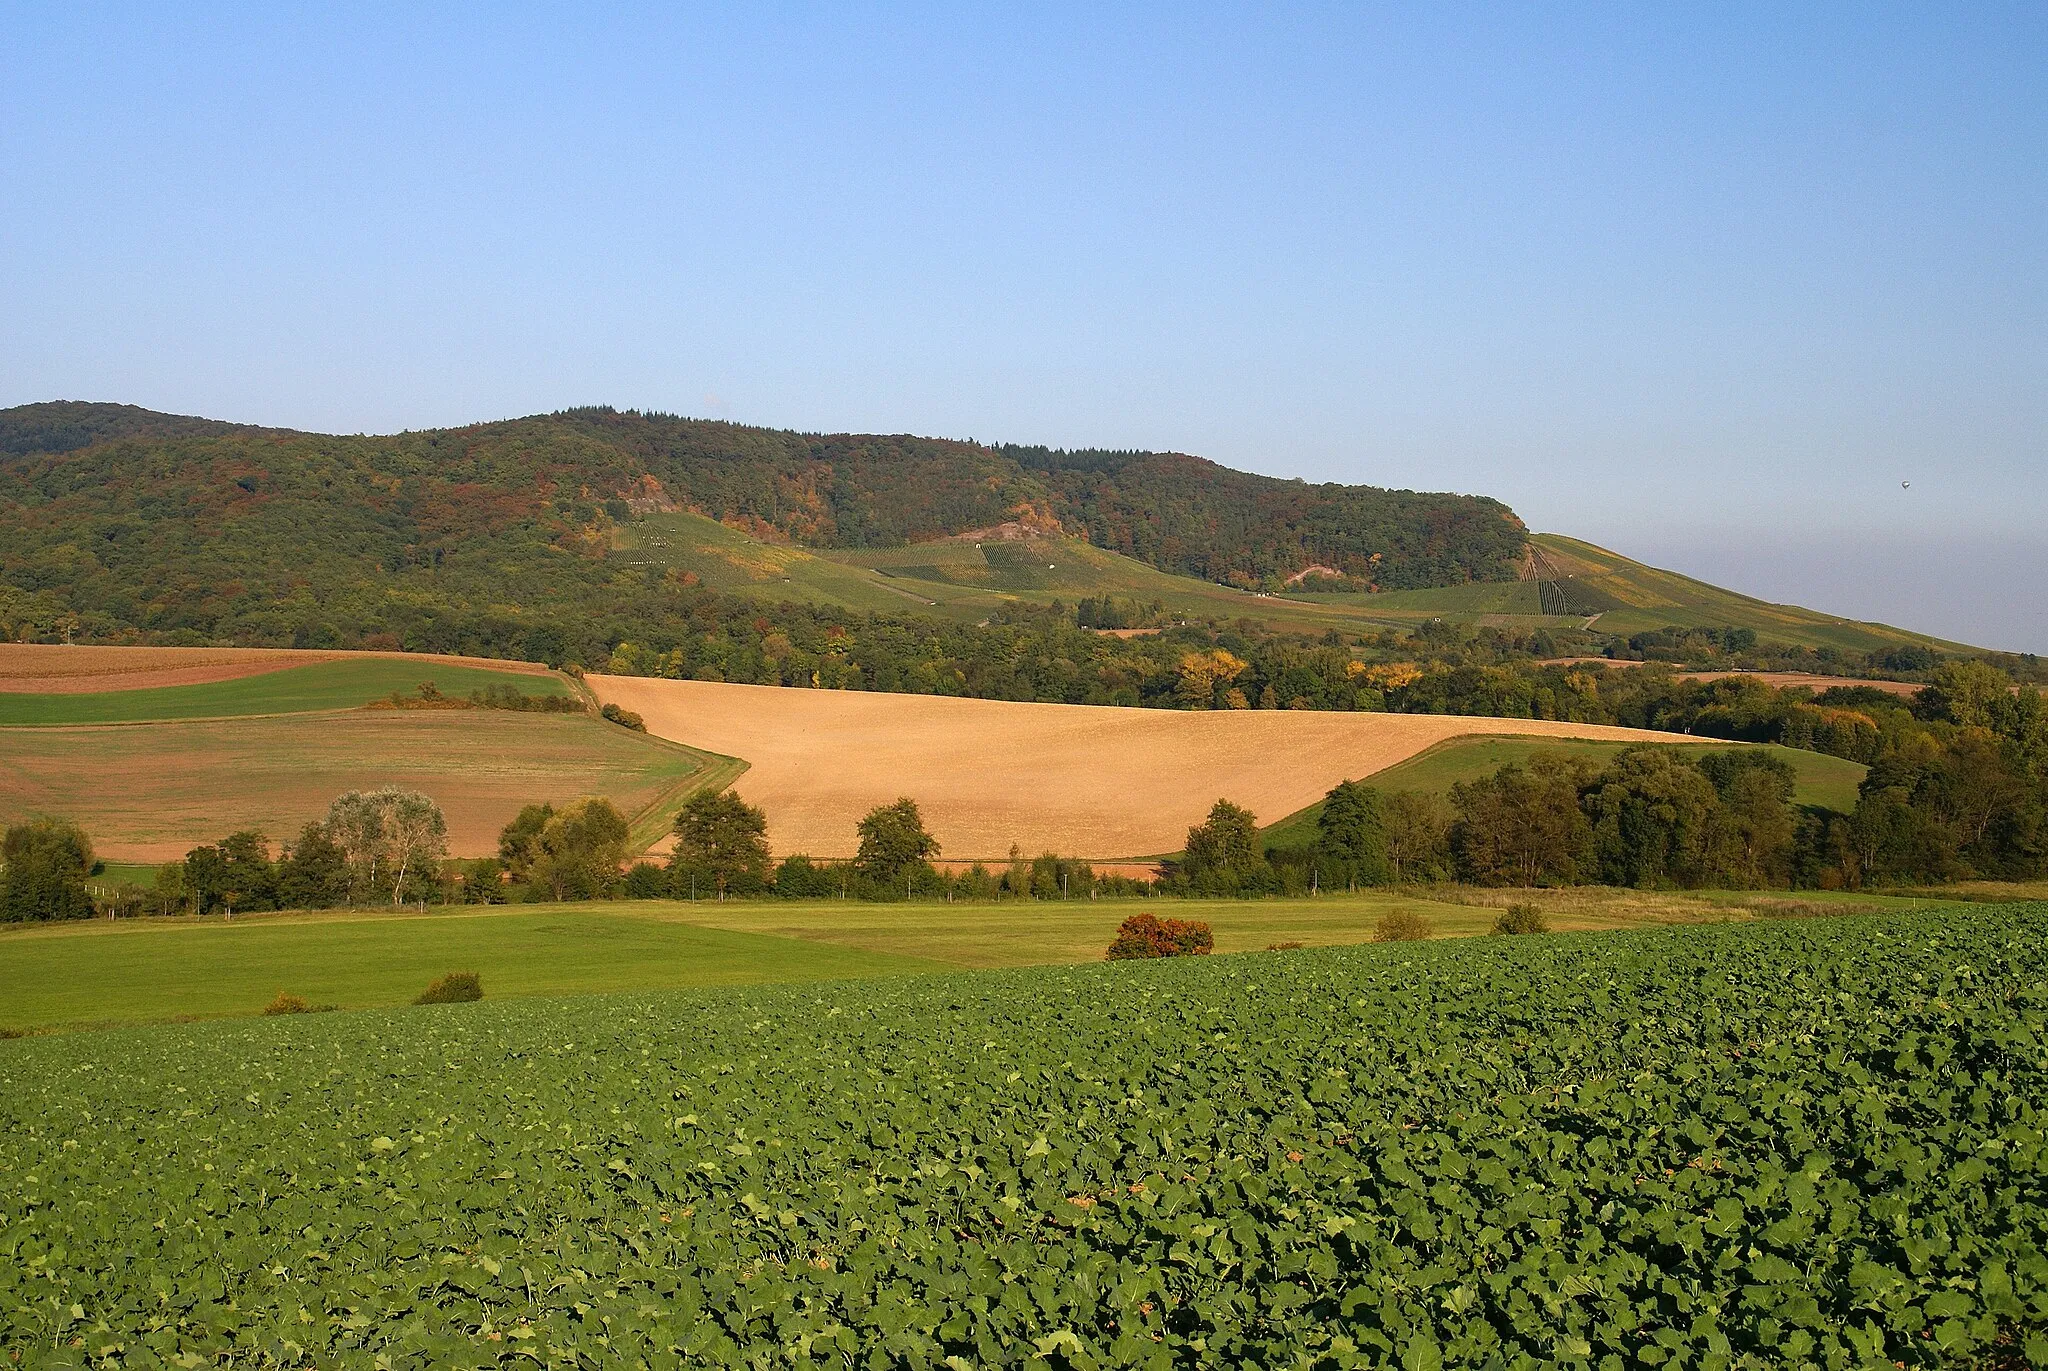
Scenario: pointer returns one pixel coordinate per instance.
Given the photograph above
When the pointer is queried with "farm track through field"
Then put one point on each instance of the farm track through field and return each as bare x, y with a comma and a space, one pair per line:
1081, 780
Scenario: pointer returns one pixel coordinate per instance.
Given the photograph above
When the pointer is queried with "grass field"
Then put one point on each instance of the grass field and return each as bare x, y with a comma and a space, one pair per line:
345, 684
1081, 780
1829, 782
149, 792
81, 974
143, 970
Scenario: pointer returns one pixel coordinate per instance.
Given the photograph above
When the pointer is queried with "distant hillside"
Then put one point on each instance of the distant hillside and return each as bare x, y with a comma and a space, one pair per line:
118, 519
555, 537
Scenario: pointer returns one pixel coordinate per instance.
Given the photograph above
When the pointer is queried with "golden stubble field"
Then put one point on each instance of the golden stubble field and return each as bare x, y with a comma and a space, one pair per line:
1080, 780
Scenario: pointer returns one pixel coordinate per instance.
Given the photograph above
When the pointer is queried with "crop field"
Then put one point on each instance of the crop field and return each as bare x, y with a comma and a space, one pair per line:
151, 792
45, 668
1801, 1143
1082, 780
1829, 782
345, 684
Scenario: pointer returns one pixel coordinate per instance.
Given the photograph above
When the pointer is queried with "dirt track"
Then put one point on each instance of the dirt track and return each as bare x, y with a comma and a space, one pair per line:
1074, 779
58, 669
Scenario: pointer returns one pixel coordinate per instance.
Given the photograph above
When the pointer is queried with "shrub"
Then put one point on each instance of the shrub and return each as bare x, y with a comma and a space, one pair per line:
457, 987
646, 881
287, 1004
1283, 947
624, 718
1400, 926
1146, 935
1521, 918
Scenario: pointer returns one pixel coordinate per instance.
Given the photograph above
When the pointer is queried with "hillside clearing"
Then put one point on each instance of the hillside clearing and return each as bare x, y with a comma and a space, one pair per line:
1081, 780
150, 792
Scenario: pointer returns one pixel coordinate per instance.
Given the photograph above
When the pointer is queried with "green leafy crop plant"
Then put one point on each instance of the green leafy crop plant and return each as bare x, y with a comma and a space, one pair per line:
1773, 1145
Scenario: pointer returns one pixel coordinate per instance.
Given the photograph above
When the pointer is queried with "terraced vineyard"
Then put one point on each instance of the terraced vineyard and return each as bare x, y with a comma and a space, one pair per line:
1793, 1144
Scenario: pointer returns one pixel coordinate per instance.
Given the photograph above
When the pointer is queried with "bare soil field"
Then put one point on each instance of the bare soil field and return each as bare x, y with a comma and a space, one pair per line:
61, 669
1080, 780
152, 792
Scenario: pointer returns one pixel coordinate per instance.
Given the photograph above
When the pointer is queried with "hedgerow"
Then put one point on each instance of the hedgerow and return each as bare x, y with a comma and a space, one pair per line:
1810, 1143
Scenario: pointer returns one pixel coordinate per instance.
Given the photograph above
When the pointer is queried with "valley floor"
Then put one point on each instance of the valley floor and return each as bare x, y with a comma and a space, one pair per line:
152, 970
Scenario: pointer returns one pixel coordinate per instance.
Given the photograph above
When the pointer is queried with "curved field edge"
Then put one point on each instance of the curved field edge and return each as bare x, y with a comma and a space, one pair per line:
306, 688
1734, 1146
1083, 780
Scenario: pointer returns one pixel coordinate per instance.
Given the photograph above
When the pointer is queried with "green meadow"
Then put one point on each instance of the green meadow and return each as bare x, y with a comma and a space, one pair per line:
343, 684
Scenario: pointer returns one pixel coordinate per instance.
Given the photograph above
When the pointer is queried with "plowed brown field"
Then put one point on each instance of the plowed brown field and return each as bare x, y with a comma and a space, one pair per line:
58, 669
1076, 779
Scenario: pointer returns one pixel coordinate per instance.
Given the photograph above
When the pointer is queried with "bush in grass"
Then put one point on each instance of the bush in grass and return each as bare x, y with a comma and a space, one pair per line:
1283, 947
1521, 918
457, 987
1400, 926
1146, 935
286, 1004
624, 718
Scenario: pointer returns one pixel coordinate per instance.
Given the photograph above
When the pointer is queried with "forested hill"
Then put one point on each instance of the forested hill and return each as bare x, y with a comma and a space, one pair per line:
115, 519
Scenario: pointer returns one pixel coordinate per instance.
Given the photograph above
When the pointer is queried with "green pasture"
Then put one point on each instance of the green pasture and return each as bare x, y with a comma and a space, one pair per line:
149, 970
346, 683
156, 969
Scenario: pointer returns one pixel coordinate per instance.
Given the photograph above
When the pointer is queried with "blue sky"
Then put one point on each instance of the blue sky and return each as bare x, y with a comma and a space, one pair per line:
1704, 286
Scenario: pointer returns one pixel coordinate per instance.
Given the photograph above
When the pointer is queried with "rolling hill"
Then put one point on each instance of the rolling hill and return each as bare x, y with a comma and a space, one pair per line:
557, 537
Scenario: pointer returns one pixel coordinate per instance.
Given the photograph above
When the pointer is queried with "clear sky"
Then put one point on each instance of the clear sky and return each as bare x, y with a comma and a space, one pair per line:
1706, 284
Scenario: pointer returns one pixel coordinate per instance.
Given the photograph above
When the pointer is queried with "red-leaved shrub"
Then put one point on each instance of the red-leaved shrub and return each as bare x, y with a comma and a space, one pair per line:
1146, 935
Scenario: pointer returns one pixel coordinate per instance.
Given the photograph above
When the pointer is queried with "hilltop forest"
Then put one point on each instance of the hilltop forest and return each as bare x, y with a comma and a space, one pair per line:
117, 522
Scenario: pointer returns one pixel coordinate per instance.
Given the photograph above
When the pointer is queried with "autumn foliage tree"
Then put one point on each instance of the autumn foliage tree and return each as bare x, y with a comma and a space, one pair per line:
1147, 935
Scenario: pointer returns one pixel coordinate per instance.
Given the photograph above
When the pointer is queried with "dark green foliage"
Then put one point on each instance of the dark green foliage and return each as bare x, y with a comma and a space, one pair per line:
1799, 1143
648, 881
721, 842
457, 987
624, 718
483, 881
799, 878
43, 866
1519, 919
1524, 825
519, 842
1145, 936
1222, 855
578, 851
494, 536
313, 872
894, 844
1351, 837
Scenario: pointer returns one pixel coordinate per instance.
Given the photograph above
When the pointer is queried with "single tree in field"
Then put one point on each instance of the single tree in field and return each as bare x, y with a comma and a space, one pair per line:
1222, 853
893, 841
723, 840
580, 850
43, 866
